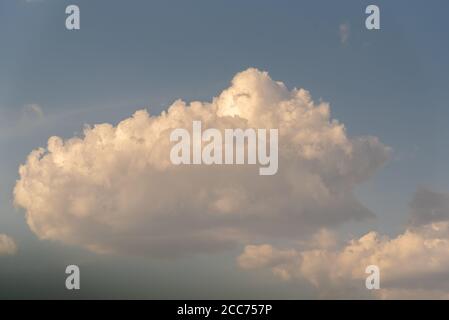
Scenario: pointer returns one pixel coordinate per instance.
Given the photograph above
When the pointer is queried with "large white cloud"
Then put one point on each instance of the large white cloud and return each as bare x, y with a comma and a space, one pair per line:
7, 245
115, 190
414, 264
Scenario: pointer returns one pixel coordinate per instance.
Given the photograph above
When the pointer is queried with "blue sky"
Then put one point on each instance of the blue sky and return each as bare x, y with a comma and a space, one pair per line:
392, 83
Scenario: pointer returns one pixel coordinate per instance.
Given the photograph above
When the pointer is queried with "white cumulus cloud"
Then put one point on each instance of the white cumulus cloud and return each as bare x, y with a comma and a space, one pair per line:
114, 189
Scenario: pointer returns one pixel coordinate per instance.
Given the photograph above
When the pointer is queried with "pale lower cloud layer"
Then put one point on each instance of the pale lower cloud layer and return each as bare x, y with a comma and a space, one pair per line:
414, 264
7, 245
115, 190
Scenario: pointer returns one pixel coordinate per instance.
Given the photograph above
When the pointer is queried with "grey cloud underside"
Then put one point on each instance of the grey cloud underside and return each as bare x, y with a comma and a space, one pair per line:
429, 206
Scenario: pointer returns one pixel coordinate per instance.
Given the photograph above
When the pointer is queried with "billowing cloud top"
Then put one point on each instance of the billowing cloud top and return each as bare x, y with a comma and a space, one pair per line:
115, 190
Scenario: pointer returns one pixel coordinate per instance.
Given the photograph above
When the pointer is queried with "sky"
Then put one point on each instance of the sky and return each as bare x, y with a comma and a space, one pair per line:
122, 220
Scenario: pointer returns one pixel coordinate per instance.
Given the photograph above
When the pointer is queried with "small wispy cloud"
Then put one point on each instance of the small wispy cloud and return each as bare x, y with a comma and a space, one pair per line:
344, 32
7, 245
21, 120
32, 111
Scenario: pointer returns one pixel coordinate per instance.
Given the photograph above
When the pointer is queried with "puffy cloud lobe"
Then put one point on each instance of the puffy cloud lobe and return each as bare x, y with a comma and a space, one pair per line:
7, 245
115, 190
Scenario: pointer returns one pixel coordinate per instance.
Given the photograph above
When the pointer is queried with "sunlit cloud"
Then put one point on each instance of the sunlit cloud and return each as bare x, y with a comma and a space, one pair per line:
114, 189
